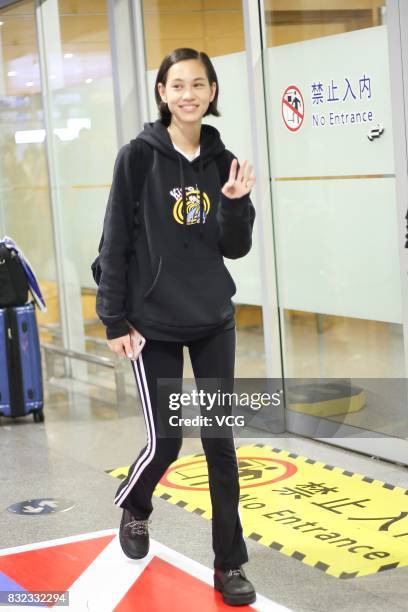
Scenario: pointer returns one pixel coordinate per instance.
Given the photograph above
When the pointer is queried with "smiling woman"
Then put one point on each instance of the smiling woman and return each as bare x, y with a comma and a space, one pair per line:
186, 79
175, 291
188, 89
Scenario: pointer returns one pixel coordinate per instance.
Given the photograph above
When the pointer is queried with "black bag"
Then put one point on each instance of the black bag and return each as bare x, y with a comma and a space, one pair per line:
13, 279
96, 266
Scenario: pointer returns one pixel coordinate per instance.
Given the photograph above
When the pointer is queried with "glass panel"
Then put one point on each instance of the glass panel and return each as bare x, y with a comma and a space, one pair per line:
25, 213
334, 201
291, 21
79, 73
216, 27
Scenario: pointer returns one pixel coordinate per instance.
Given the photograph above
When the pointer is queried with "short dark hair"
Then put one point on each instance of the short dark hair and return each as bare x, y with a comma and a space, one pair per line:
177, 55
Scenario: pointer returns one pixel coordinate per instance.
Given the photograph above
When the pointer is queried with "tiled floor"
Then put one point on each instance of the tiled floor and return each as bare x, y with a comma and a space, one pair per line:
85, 434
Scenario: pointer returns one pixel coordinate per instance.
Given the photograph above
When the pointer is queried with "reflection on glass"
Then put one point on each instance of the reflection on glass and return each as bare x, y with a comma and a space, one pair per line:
289, 21
25, 212
84, 147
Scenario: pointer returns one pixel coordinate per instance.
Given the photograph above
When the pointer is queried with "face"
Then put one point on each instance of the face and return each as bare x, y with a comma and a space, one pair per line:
187, 91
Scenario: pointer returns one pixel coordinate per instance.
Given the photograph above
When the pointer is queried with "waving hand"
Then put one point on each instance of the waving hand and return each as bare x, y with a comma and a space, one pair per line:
239, 184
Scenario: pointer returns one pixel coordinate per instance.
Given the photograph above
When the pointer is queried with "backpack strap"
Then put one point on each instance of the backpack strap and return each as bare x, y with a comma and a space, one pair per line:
145, 162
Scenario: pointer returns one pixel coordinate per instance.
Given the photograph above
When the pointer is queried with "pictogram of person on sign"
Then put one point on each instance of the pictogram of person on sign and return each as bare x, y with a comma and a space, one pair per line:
296, 102
293, 108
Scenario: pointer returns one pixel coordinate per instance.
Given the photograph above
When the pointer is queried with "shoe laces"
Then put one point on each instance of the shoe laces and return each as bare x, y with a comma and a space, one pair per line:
234, 572
139, 527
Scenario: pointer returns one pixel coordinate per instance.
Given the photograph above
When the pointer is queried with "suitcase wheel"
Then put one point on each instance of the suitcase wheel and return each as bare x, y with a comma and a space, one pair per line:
38, 416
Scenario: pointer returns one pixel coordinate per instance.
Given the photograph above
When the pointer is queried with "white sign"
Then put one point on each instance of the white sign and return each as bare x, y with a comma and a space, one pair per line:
333, 181
344, 82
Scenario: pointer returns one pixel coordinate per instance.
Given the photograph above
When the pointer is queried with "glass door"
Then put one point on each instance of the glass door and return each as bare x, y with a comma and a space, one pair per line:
25, 211
337, 224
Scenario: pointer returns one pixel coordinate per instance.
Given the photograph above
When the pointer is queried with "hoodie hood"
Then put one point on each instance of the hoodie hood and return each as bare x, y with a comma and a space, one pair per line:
211, 146
156, 135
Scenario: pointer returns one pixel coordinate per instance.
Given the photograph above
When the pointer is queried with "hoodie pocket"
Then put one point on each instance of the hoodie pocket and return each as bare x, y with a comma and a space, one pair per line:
189, 292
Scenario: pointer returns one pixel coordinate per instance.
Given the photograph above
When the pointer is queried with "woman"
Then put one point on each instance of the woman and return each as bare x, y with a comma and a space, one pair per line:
179, 202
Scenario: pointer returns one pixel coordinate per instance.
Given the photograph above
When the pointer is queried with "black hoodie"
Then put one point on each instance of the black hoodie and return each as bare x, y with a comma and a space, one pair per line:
167, 227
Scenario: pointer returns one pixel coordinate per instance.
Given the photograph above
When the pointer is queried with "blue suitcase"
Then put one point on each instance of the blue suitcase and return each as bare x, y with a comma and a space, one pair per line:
21, 384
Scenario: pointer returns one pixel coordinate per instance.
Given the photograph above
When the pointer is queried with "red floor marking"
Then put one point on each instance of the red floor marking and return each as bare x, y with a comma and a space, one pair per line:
162, 586
54, 568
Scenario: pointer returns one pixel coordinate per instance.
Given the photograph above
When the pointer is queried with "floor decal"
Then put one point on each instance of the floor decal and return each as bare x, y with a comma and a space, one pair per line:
98, 577
340, 522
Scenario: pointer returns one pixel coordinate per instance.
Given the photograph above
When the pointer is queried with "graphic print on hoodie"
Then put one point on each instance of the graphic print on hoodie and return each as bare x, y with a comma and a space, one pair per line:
167, 277
192, 195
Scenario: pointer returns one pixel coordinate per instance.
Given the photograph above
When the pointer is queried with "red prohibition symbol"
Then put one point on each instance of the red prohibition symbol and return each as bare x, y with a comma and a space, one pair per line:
293, 108
287, 470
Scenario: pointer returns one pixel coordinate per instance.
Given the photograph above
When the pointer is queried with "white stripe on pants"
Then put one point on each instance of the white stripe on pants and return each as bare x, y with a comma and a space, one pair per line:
148, 455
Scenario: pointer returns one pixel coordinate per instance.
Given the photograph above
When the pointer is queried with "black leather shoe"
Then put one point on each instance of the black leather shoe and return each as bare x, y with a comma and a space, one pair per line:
134, 536
235, 587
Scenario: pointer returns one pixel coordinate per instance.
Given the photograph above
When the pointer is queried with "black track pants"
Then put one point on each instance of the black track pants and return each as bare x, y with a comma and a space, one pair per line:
211, 357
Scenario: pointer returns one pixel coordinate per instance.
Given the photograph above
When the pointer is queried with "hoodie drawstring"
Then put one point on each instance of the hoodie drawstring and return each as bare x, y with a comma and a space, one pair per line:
201, 182
183, 193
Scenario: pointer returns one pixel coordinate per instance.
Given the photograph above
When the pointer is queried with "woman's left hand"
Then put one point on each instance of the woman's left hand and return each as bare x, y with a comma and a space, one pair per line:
241, 184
